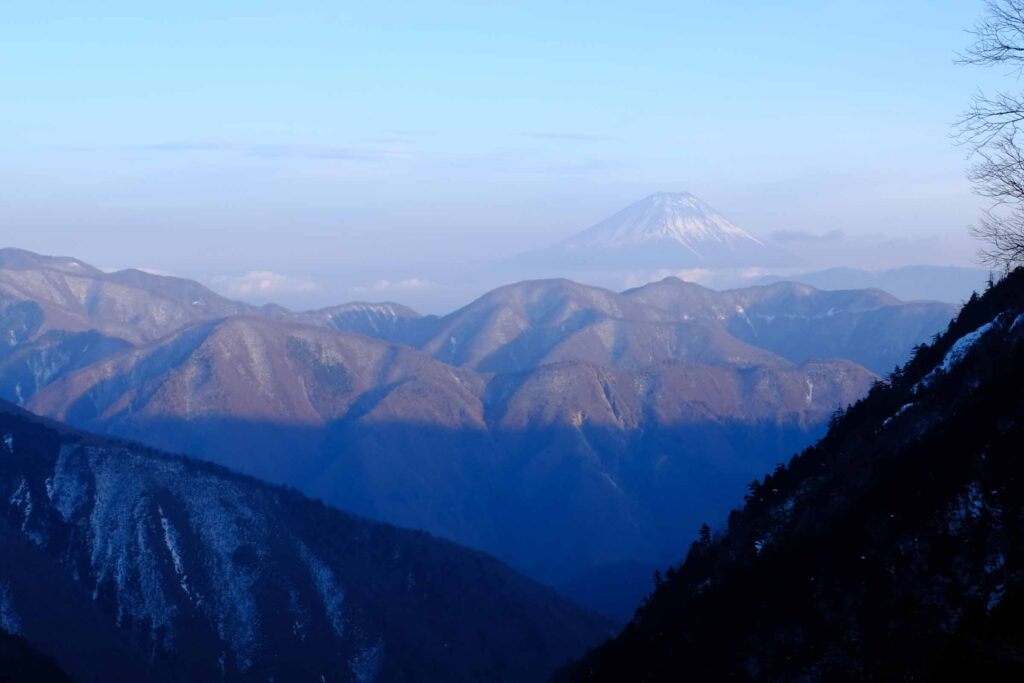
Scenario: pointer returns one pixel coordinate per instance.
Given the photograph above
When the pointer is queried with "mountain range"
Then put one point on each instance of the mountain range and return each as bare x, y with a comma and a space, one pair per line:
890, 550
566, 429
937, 283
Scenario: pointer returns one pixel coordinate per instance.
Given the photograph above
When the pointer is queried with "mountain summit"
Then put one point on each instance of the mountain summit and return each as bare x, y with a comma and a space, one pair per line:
664, 230
666, 218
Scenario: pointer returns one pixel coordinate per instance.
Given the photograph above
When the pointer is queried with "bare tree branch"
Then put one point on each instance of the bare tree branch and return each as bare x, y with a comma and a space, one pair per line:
990, 117
993, 127
998, 36
1004, 236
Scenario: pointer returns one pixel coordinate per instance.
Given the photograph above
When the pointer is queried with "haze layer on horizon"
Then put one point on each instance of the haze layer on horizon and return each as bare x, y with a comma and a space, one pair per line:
325, 151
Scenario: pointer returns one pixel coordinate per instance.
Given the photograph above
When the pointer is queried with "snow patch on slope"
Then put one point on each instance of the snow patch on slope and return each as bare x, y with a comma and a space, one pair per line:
366, 665
333, 597
960, 348
9, 619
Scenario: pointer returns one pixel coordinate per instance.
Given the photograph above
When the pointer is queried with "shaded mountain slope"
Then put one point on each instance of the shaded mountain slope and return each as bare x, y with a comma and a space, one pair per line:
391, 433
257, 394
643, 457
891, 550
125, 562
22, 663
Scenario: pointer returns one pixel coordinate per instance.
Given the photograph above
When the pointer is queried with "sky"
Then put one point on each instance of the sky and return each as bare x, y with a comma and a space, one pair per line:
315, 151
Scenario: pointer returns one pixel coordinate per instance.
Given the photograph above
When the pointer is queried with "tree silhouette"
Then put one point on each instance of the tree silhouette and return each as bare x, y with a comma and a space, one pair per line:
992, 127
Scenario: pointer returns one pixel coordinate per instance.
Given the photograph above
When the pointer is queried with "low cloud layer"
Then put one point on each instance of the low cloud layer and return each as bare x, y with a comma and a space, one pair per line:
410, 284
263, 282
325, 152
789, 236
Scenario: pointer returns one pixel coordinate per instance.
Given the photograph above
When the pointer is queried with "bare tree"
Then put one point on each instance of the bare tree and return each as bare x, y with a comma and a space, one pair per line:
994, 129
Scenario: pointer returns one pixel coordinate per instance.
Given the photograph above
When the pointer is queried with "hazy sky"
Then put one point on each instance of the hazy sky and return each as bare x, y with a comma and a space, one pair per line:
345, 149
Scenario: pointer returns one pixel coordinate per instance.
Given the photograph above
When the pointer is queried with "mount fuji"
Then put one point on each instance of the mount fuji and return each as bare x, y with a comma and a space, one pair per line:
664, 230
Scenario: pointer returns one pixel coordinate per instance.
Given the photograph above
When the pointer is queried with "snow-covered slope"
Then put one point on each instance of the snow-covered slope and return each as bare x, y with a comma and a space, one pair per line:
122, 563
674, 218
671, 230
384, 320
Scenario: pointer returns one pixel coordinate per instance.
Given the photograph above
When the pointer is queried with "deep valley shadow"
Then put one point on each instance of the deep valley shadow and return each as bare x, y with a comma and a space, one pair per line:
560, 504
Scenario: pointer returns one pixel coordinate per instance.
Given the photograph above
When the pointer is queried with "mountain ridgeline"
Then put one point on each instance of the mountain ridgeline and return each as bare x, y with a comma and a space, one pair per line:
124, 562
890, 550
570, 430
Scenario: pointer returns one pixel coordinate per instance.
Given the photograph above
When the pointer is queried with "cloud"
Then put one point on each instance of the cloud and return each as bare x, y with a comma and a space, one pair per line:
409, 284
323, 152
807, 236
570, 137
264, 282
188, 147
503, 162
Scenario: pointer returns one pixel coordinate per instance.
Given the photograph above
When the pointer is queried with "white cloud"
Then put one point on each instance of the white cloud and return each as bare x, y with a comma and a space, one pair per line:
409, 284
784, 236
264, 282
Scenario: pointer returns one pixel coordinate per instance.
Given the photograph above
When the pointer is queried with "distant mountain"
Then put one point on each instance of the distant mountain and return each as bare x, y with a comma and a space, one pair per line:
888, 551
124, 563
523, 326
801, 323
931, 283
664, 230
69, 295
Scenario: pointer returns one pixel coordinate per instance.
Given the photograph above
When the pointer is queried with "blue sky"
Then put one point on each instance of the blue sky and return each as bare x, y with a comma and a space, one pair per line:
218, 138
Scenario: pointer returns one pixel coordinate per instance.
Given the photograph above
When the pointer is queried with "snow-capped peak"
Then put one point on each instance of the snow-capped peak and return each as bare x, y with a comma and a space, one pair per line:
672, 217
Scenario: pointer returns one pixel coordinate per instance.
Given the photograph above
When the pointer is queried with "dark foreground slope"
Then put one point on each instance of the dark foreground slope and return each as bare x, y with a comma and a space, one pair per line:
120, 562
892, 550
22, 663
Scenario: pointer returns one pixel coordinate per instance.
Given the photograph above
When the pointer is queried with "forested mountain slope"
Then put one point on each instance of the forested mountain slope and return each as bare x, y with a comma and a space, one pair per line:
891, 550
120, 562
